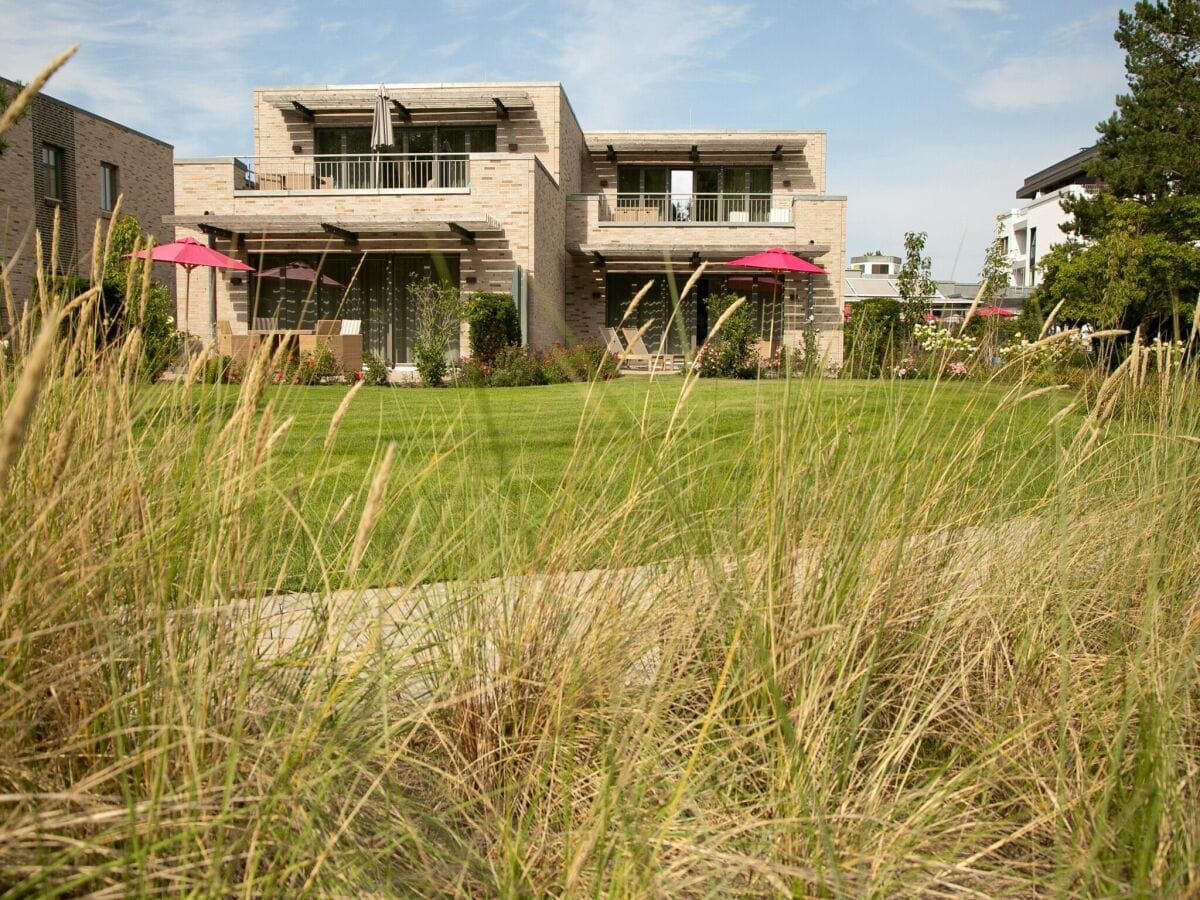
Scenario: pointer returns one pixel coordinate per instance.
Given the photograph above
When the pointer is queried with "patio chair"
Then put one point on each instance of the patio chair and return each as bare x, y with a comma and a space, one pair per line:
630, 360
638, 350
235, 346
326, 327
612, 343
266, 323
351, 327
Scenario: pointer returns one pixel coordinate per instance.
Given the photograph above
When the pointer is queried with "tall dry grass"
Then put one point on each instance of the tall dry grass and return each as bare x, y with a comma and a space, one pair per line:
887, 679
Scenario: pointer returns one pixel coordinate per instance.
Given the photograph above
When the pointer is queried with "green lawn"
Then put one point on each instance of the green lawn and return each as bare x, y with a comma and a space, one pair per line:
478, 474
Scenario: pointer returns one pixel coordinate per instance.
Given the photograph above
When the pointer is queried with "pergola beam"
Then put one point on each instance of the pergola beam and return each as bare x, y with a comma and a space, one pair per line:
215, 230
350, 237
466, 234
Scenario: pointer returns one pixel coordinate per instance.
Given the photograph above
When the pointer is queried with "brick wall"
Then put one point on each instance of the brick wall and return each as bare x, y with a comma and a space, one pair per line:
547, 321
144, 177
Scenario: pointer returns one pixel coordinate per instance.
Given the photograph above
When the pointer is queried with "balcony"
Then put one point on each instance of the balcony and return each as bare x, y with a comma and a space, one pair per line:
697, 209
373, 173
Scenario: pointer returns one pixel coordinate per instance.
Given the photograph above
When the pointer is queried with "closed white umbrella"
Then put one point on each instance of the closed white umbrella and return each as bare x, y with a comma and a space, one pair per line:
382, 137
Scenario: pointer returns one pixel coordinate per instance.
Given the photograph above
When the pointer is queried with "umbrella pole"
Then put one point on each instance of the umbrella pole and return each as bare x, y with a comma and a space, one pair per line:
187, 301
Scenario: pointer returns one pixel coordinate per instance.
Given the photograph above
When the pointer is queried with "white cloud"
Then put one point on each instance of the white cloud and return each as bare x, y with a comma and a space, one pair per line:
169, 69
613, 62
935, 7
1048, 79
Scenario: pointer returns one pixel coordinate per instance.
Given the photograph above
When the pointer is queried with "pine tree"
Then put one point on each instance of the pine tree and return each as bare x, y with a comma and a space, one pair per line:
1150, 147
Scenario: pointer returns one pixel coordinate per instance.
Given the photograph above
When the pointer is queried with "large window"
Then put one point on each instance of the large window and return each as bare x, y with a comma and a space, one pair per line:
708, 194
52, 172
108, 187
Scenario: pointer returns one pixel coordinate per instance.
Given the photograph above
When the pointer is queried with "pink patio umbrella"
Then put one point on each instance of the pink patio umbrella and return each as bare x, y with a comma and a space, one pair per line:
298, 271
995, 311
749, 281
190, 253
777, 260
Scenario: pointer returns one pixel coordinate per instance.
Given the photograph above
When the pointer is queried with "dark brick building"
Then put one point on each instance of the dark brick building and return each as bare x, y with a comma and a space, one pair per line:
62, 161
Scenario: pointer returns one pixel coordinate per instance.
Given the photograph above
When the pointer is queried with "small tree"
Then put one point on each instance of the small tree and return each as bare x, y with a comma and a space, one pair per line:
438, 312
915, 281
994, 274
494, 324
131, 299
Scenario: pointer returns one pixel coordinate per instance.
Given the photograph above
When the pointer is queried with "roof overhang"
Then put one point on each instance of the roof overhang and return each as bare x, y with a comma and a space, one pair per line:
261, 233
1062, 173
633, 147
497, 104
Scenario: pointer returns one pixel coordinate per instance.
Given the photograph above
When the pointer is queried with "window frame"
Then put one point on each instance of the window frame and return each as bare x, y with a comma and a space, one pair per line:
109, 192
52, 173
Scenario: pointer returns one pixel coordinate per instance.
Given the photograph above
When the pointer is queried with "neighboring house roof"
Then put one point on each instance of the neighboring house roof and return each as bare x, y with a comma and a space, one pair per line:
1011, 297
859, 286
1062, 173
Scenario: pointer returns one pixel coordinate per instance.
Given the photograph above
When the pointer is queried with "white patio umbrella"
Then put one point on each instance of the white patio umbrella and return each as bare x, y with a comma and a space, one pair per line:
382, 136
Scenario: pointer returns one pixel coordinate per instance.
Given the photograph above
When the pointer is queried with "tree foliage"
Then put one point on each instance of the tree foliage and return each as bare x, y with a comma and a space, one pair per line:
1135, 260
994, 274
1148, 146
133, 299
915, 280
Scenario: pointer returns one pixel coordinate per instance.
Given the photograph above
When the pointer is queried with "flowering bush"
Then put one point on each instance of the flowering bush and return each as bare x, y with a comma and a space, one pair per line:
907, 368
310, 368
957, 369
933, 338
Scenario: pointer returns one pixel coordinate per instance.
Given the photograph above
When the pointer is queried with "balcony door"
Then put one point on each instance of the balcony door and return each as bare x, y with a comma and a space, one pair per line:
343, 157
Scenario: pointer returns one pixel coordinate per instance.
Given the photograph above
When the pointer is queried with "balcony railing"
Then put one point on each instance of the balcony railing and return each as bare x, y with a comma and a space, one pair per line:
725, 209
357, 172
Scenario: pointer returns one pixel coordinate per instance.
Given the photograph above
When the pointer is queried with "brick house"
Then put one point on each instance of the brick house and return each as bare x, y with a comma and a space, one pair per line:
64, 160
497, 187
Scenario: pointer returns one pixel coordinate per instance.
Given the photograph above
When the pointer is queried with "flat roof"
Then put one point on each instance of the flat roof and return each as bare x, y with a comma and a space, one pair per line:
1060, 174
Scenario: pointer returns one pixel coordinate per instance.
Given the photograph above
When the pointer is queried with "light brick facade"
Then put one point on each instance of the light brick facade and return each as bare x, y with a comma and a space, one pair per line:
86, 141
543, 203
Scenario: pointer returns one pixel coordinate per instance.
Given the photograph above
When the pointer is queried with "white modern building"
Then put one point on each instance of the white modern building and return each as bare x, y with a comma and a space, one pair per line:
1031, 230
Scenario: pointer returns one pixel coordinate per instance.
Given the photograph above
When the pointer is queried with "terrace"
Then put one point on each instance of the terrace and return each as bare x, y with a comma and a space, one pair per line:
360, 173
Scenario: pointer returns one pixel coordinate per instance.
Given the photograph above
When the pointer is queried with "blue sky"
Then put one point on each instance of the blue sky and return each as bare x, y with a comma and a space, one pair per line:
935, 109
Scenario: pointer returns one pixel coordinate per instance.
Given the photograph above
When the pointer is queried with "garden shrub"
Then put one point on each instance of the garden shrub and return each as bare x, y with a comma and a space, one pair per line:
517, 367
438, 311
493, 324
221, 370
730, 353
375, 370
309, 368
875, 337
579, 362
131, 304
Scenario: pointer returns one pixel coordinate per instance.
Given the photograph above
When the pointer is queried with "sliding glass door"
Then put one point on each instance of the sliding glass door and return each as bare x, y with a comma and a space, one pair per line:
378, 296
